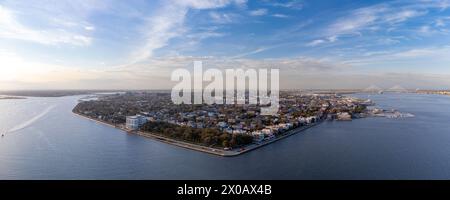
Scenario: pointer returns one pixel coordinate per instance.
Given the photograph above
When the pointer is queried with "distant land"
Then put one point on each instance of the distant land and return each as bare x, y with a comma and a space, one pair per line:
52, 93
8, 97
440, 92
61, 93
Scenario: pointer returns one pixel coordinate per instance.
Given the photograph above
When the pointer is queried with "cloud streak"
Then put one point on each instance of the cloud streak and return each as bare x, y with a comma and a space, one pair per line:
142, 41
168, 23
258, 12
387, 15
11, 28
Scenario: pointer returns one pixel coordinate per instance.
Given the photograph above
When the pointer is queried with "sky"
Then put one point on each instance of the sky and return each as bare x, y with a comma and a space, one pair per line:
136, 44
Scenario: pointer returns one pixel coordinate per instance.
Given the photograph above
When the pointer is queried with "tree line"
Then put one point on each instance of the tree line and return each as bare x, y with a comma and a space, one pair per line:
205, 136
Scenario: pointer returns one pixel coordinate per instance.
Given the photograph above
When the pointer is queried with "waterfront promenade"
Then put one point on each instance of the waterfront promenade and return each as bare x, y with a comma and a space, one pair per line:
201, 148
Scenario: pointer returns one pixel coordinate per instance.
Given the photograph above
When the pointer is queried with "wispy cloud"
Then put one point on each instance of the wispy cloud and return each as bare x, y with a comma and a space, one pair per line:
294, 4
278, 15
388, 41
315, 43
421, 52
138, 43
154, 74
318, 42
370, 18
163, 26
258, 12
221, 18
168, 23
402, 16
390, 58
358, 20
256, 51
12, 28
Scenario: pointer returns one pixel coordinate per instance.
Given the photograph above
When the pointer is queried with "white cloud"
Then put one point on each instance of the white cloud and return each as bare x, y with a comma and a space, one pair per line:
168, 23
373, 17
388, 41
401, 16
61, 25
315, 43
207, 4
221, 18
60, 21
241, 3
190, 41
441, 22
295, 72
154, 74
11, 28
204, 35
425, 29
89, 28
359, 19
408, 57
294, 4
280, 15
258, 12
163, 26
415, 53
163, 66
256, 51
333, 38
443, 4
318, 42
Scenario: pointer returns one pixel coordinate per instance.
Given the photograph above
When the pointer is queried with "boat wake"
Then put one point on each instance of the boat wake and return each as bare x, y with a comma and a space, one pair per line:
31, 121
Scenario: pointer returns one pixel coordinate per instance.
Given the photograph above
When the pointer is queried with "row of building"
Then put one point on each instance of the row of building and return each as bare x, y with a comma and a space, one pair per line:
296, 109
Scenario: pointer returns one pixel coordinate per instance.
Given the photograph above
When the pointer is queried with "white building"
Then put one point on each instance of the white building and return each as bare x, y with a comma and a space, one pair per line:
267, 131
258, 136
344, 116
222, 124
135, 122
239, 131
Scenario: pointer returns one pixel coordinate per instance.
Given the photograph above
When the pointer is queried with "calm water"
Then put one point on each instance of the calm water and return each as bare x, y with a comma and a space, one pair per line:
46, 141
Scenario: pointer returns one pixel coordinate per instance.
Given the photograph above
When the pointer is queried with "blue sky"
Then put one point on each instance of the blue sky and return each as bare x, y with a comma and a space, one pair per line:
135, 44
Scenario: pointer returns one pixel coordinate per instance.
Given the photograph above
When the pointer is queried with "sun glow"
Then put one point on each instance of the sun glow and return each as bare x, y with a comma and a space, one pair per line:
15, 68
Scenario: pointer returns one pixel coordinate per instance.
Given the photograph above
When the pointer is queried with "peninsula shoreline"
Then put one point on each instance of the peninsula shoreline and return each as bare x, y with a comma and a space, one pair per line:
200, 148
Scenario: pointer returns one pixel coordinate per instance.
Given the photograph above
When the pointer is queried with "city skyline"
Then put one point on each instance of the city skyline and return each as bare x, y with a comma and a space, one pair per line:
113, 44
